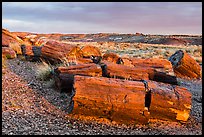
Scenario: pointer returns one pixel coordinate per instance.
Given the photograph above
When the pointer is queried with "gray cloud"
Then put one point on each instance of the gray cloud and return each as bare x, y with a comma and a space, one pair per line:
93, 17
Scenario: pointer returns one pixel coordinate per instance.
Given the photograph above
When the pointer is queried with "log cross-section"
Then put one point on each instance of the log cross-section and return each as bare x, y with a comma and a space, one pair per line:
185, 66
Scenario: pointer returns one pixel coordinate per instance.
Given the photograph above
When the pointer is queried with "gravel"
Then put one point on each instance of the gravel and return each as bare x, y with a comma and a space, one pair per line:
33, 107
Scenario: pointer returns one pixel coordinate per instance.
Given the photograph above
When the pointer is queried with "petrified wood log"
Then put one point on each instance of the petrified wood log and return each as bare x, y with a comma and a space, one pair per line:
184, 65
169, 102
129, 102
113, 70
64, 76
32, 53
8, 52
115, 99
60, 52
162, 65
89, 51
112, 57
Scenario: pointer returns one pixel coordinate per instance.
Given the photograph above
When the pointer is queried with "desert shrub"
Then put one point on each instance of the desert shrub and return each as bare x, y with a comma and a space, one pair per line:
44, 71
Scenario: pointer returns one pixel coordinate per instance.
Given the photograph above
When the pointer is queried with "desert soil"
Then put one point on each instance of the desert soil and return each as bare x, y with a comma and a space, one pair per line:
33, 107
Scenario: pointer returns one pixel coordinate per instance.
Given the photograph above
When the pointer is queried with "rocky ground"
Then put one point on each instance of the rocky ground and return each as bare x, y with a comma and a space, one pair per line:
33, 107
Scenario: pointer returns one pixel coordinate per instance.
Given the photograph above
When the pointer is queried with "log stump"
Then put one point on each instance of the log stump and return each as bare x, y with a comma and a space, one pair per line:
185, 66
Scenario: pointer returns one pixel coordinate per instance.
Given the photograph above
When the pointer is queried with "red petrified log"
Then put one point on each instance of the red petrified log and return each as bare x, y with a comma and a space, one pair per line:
111, 57
162, 65
130, 102
132, 73
64, 76
169, 102
136, 73
60, 52
114, 99
184, 65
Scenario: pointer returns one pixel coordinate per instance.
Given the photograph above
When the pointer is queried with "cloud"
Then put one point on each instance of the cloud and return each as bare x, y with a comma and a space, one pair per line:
91, 17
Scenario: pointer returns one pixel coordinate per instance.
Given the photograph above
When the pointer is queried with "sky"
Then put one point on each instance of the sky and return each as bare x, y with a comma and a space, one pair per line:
103, 17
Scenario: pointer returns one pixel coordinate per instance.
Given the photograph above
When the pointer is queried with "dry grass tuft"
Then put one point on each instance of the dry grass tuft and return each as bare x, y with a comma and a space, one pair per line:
43, 71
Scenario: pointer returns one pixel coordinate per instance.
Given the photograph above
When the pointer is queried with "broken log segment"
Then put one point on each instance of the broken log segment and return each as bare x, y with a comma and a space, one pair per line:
130, 102
162, 65
112, 57
115, 99
184, 65
169, 102
113, 70
64, 76
60, 52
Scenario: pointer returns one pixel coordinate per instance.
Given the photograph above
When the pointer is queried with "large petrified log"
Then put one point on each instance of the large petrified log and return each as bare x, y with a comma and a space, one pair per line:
113, 70
184, 65
115, 99
129, 102
162, 65
60, 52
64, 76
135, 73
